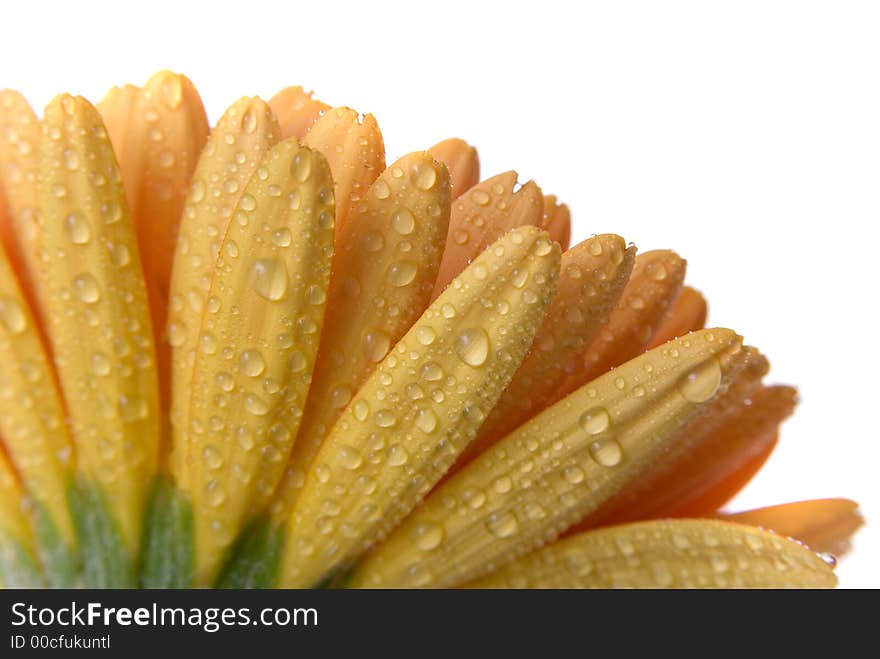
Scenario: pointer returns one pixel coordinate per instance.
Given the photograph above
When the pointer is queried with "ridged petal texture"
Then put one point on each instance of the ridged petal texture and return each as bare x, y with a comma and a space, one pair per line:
421, 406
96, 312
256, 351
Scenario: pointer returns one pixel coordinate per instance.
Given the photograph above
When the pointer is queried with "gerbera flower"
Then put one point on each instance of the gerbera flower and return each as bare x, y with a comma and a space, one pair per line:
255, 355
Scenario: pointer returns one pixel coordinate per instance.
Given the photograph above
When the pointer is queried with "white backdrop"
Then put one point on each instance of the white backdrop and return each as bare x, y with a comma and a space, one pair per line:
744, 135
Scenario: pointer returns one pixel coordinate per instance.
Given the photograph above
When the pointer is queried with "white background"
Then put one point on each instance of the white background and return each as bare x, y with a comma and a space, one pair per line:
746, 135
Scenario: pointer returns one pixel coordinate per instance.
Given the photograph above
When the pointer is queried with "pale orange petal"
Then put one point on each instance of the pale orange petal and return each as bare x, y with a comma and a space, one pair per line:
296, 111
688, 314
461, 160
556, 221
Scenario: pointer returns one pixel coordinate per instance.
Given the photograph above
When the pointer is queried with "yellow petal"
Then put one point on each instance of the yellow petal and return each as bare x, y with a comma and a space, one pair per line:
558, 467
822, 524
31, 414
238, 144
668, 554
461, 160
257, 346
481, 216
14, 525
593, 275
384, 269
296, 111
421, 406
19, 151
354, 148
556, 221
96, 310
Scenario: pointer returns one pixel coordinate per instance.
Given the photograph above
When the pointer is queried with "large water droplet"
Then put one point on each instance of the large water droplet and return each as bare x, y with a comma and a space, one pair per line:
606, 452
252, 363
349, 458
268, 277
12, 316
86, 288
472, 346
426, 420
255, 405
402, 273
403, 221
428, 536
701, 383
376, 345
301, 167
132, 408
100, 363
595, 420
502, 525
76, 228
425, 176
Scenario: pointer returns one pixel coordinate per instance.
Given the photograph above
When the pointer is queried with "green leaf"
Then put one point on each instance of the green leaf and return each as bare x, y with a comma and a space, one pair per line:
105, 561
169, 546
18, 569
60, 562
253, 559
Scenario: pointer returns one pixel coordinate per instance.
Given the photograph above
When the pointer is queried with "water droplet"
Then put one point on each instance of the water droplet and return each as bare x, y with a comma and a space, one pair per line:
480, 197
100, 363
658, 272
252, 363
339, 396
249, 122
301, 166
402, 273
197, 191
574, 474
255, 405
403, 221
76, 228
425, 335
701, 383
208, 343
120, 254
176, 333
502, 525
12, 316
428, 536
595, 420
373, 241
214, 494
349, 458
282, 237
397, 456
111, 212
425, 176
472, 346
86, 288
71, 159
381, 189
426, 420
247, 203
268, 277
376, 345
502, 484
385, 418
213, 459
361, 410
606, 452
132, 408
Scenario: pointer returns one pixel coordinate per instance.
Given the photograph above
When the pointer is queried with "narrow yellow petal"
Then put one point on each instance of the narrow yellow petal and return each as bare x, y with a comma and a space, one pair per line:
421, 406
668, 554
461, 160
555, 469
19, 151
384, 269
96, 310
296, 111
119, 109
31, 414
354, 148
822, 524
14, 524
593, 275
556, 221
237, 146
482, 215
257, 346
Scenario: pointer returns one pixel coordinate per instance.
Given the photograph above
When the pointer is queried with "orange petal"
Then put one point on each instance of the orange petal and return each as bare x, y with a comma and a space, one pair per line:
19, 140
688, 314
157, 133
461, 160
556, 221
481, 216
653, 286
825, 525
296, 111
738, 425
354, 148
592, 277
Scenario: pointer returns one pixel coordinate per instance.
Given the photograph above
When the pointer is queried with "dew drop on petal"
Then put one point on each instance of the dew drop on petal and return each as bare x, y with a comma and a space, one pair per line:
472, 346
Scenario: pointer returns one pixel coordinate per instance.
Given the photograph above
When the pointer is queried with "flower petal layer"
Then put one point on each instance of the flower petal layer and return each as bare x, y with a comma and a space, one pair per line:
96, 311
18, 567
237, 146
554, 470
257, 346
421, 406
688, 314
482, 215
296, 111
668, 554
556, 221
354, 148
384, 268
461, 160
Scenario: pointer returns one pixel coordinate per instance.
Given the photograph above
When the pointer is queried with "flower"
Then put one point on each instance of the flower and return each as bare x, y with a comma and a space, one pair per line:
254, 355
